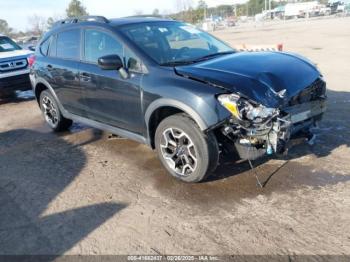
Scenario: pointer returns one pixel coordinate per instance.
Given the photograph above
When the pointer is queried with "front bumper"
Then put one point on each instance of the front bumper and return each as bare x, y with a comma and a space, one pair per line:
17, 80
294, 121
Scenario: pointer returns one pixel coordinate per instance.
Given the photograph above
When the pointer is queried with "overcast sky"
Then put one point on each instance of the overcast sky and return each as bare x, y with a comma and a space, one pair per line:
16, 12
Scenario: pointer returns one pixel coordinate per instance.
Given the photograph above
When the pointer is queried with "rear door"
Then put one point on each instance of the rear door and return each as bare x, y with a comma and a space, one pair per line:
110, 99
63, 67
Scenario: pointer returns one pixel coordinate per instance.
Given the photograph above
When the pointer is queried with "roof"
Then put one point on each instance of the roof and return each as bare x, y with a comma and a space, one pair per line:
137, 19
111, 22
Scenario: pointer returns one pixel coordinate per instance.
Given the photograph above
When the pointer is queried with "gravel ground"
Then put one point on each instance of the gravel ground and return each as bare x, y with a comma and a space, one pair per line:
82, 193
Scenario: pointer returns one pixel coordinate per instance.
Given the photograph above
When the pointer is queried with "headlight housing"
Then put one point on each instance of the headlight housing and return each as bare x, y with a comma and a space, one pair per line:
242, 109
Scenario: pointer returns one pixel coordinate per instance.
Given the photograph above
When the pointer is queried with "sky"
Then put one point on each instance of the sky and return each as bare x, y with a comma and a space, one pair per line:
16, 12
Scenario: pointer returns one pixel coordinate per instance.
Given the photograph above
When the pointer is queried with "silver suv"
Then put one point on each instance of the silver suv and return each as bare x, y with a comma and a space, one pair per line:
14, 67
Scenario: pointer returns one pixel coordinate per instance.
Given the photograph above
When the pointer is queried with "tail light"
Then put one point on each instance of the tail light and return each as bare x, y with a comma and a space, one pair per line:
31, 60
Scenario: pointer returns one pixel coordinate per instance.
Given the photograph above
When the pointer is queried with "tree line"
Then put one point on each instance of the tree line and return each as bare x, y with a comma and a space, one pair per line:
186, 12
38, 24
202, 11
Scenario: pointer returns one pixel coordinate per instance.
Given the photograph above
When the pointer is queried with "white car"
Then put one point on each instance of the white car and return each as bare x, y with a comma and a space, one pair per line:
14, 67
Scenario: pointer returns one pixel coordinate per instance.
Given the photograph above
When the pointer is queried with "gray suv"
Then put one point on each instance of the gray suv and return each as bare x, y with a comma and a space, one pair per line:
175, 88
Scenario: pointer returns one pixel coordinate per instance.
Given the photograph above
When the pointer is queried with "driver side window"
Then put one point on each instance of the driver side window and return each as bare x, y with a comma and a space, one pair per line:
98, 44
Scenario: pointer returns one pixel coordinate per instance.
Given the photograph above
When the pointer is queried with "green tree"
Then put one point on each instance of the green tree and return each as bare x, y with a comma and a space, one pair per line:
76, 9
256, 6
202, 5
202, 9
5, 28
241, 10
221, 10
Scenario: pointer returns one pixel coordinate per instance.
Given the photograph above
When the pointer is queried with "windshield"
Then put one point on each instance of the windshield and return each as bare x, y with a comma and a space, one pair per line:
6, 44
174, 42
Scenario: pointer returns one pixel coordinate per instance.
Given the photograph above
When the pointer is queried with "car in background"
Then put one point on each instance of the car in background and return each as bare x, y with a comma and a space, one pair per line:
347, 9
336, 7
30, 43
14, 67
175, 88
231, 21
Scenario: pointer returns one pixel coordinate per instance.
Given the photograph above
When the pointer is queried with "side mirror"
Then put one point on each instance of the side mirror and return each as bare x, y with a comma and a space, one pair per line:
110, 62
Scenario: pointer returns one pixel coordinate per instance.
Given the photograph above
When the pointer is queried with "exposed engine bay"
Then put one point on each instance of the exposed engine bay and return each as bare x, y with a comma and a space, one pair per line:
257, 130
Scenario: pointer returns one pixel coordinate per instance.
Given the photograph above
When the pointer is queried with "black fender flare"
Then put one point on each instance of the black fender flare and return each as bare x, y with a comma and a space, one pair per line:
52, 91
162, 102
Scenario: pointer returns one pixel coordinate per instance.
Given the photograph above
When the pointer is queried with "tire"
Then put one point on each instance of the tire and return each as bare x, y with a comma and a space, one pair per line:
52, 113
184, 150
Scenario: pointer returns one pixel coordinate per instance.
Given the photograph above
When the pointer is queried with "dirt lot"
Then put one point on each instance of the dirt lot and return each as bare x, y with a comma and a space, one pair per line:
82, 193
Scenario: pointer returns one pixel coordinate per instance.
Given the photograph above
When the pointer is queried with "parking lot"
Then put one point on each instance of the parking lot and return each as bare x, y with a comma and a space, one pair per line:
82, 192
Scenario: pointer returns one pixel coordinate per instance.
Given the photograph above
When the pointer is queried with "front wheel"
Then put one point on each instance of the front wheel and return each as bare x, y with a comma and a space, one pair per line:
185, 151
52, 113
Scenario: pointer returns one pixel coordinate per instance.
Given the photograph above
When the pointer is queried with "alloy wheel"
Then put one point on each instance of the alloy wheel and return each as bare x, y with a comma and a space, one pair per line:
179, 151
50, 111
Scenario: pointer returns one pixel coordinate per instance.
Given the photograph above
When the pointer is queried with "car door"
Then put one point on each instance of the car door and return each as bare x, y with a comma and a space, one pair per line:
109, 98
62, 65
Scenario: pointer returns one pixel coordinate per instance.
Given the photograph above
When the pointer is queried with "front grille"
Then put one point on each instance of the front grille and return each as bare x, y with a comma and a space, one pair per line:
313, 92
14, 65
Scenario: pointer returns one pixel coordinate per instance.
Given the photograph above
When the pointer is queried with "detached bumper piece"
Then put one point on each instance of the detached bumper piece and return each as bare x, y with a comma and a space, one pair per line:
276, 134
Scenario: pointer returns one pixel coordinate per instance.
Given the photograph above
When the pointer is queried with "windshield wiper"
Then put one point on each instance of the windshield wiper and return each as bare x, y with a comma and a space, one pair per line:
176, 63
203, 58
196, 60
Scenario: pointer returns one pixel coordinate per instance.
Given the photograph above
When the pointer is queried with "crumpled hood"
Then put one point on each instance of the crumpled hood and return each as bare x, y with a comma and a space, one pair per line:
6, 56
259, 76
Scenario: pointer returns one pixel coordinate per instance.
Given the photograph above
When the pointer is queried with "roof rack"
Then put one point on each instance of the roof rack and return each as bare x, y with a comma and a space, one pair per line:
75, 20
148, 16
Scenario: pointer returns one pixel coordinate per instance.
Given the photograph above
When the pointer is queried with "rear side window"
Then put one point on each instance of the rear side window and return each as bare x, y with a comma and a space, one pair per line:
68, 44
44, 47
53, 47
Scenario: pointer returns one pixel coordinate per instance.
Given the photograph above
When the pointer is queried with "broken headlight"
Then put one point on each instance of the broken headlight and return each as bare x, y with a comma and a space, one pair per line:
242, 109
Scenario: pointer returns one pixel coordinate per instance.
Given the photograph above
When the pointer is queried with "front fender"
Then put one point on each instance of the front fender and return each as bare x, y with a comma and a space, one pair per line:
205, 112
162, 102
195, 98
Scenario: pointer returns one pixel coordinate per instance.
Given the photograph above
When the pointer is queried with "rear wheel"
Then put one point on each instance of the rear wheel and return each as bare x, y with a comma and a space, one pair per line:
185, 151
52, 113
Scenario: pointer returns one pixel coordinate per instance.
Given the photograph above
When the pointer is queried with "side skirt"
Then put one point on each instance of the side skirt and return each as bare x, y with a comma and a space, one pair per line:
108, 128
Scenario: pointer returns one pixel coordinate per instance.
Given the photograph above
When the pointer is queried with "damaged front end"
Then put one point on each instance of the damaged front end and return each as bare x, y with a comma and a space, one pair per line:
257, 130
